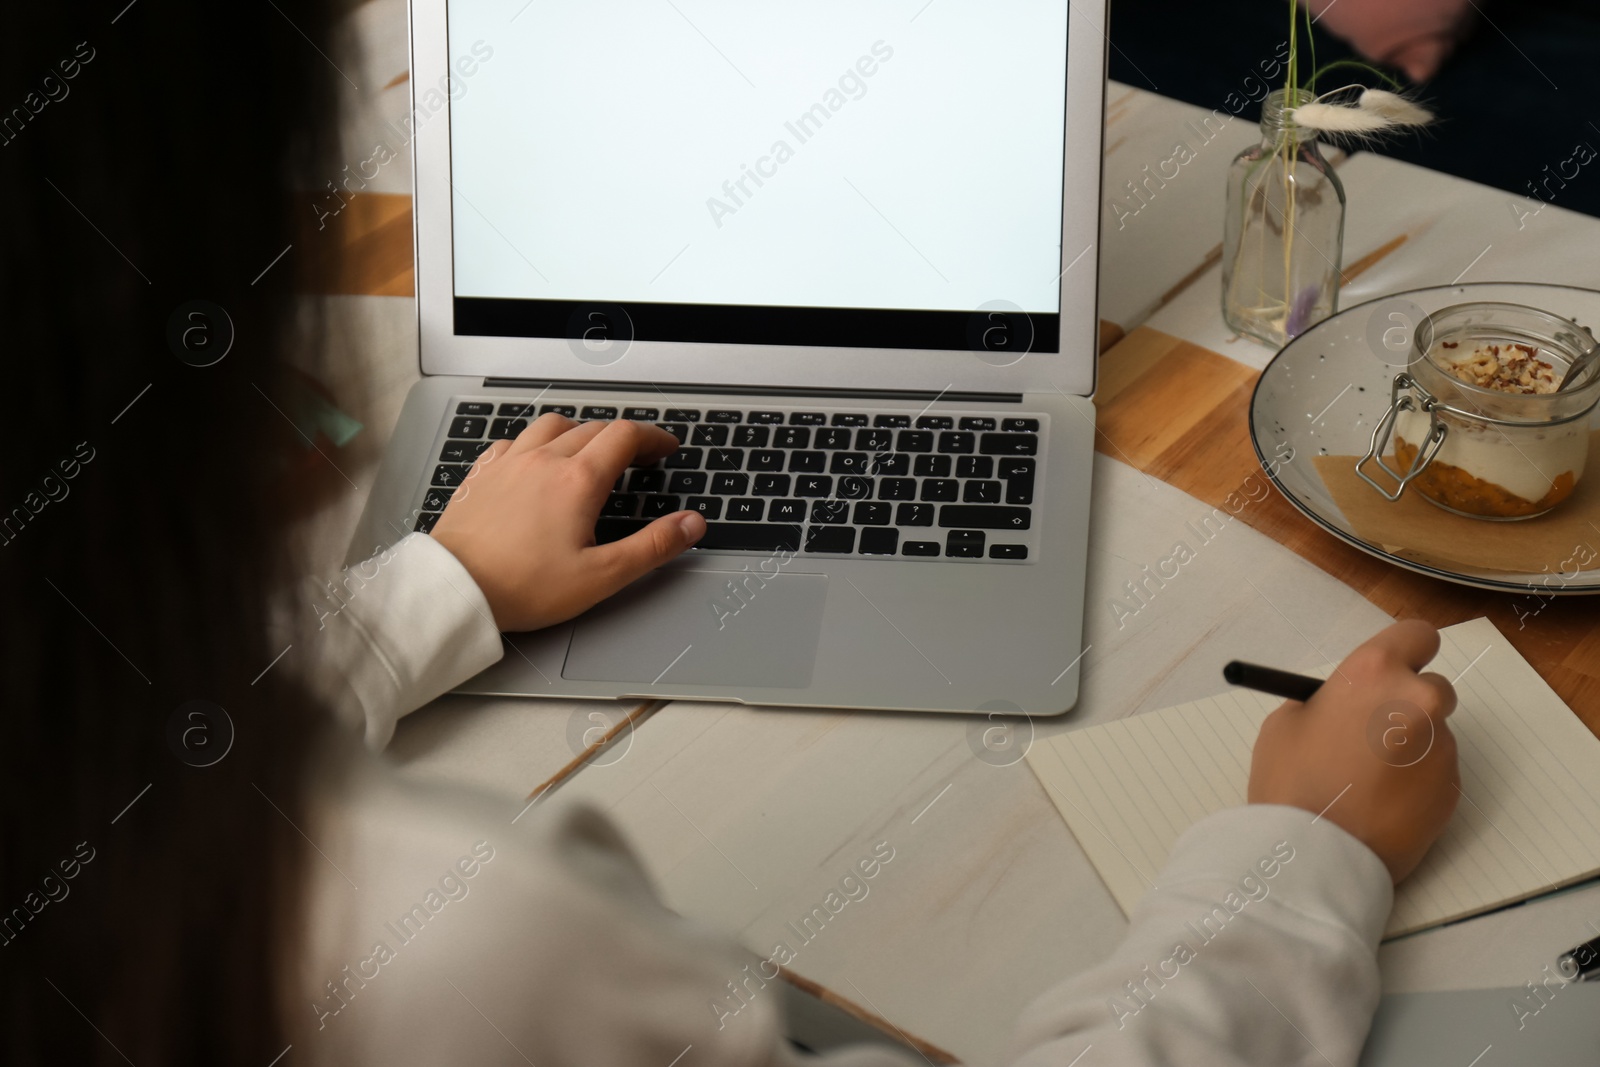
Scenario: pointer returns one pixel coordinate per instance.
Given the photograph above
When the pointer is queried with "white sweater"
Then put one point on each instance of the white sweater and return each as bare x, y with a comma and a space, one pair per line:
438, 932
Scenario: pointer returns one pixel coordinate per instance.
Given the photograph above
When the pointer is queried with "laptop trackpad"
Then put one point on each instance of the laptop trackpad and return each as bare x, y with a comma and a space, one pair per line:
681, 627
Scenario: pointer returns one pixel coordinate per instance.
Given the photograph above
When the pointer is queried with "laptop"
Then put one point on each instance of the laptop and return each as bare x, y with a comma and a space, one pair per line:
845, 252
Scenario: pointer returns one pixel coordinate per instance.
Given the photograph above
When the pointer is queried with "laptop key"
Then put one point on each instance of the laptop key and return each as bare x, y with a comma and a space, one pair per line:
682, 415
751, 436
567, 410
807, 418
766, 418
981, 492
641, 414
772, 484
596, 412
468, 426
709, 506
1018, 475
897, 489
880, 541
914, 441
676, 429
787, 511
746, 509
609, 529
830, 539
647, 481
1008, 551
725, 416
1020, 425
462, 451
813, 485
686, 483
1009, 444
506, 429
964, 543
619, 505
833, 437
928, 466
848, 463
765, 459
974, 467
730, 484
936, 422
808, 462
939, 489
516, 411
956, 441
1016, 468
752, 536
920, 548
892, 422
830, 512
913, 515
708, 435
1020, 490
871, 513
657, 506
450, 475
724, 459
685, 459
977, 517
874, 440
976, 423
426, 520
792, 437
854, 488
846, 418
474, 407
437, 499
893, 464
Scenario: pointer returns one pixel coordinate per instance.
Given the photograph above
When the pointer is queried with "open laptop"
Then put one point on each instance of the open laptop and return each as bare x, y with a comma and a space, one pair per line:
845, 251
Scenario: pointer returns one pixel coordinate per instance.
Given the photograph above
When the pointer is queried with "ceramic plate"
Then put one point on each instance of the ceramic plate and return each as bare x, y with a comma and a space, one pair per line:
1327, 389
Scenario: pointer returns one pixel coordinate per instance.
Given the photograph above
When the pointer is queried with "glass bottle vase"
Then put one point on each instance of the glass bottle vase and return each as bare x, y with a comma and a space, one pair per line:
1284, 233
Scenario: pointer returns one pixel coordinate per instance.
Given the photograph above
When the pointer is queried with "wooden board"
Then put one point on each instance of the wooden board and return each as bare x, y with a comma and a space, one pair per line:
1180, 413
364, 250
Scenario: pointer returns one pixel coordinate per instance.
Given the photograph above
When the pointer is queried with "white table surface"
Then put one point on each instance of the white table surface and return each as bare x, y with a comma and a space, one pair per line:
746, 816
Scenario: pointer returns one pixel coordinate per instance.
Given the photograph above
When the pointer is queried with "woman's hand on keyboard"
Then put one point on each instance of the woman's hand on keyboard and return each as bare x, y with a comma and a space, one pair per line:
522, 523
1370, 751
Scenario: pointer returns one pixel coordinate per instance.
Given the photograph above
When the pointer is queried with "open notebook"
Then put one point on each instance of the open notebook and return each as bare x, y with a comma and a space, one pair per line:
1529, 820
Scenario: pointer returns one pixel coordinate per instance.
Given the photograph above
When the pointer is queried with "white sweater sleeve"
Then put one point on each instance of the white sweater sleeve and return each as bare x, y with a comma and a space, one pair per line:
1257, 947
403, 627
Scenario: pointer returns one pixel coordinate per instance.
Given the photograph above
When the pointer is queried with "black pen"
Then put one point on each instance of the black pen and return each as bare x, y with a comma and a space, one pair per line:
1284, 684
1581, 964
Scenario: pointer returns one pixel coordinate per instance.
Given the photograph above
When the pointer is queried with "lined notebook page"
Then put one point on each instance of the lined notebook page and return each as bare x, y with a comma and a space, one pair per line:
1528, 820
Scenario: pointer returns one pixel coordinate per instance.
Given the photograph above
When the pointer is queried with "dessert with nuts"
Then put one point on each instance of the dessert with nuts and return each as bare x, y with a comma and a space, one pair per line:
1504, 368
1489, 470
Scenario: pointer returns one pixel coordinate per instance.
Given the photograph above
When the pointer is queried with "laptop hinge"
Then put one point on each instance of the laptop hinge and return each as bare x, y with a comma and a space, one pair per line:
962, 396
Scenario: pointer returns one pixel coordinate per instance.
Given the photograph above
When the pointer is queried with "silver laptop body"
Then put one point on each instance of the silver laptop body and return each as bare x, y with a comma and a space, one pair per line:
912, 297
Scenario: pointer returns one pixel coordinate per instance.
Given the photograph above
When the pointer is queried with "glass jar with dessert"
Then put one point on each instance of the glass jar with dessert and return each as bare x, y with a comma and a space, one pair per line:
1491, 418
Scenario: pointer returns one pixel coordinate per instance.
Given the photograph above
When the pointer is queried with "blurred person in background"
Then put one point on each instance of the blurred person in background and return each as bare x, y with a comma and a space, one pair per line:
1507, 80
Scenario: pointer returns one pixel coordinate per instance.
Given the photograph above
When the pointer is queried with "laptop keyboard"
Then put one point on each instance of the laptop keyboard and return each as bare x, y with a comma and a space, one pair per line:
814, 481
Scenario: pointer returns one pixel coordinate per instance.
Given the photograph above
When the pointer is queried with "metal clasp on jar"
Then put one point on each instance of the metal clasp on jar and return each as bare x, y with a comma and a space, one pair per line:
1407, 395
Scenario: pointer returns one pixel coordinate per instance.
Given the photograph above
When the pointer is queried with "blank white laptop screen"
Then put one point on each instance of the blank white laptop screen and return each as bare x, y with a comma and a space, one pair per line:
846, 172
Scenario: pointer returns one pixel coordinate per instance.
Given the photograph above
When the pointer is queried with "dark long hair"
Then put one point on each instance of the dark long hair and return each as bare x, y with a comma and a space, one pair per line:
146, 150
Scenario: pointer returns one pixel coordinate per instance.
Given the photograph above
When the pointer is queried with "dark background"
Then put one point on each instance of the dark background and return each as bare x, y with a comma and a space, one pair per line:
1519, 93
